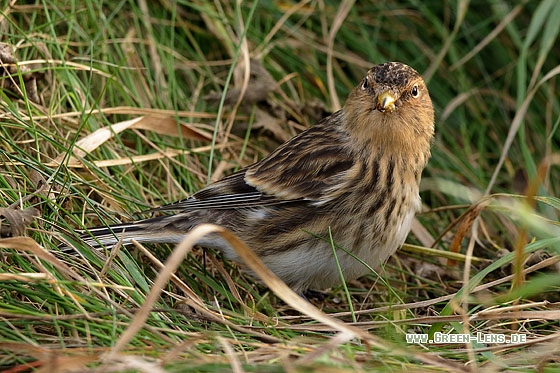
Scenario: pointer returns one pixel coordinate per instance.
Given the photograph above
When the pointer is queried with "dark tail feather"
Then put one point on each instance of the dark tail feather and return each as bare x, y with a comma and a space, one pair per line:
154, 230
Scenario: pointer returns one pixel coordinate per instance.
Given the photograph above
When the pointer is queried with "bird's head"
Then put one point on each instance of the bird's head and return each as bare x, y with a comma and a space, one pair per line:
391, 106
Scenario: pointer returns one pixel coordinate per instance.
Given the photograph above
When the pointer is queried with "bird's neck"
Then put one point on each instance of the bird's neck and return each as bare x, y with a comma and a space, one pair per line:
380, 135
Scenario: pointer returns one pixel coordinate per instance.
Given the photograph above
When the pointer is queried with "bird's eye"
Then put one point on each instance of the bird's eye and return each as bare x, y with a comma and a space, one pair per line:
365, 84
415, 92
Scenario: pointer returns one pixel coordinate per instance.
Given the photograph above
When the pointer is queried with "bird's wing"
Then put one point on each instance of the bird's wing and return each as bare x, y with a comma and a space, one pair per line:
306, 168
310, 166
230, 192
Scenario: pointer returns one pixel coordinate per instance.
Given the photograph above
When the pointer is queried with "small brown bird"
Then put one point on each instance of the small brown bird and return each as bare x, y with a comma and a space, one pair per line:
354, 174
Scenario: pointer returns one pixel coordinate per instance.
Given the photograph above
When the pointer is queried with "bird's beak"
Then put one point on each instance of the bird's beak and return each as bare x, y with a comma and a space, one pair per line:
386, 102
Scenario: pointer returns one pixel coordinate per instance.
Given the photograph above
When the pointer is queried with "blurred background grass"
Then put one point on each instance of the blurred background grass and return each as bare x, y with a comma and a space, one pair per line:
491, 68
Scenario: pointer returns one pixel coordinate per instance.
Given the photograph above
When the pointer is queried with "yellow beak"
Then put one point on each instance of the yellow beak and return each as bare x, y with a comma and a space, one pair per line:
386, 102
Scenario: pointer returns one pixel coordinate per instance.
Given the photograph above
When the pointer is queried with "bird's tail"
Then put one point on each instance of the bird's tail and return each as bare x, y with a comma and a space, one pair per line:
153, 230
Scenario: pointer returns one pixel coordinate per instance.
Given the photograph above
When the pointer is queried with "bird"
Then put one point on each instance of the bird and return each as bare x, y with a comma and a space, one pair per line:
351, 180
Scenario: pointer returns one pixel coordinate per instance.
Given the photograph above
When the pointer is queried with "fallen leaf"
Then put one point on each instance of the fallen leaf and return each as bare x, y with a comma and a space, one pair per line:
9, 71
161, 125
18, 219
260, 84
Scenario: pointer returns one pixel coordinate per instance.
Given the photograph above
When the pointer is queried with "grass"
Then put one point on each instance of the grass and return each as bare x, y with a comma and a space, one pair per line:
491, 211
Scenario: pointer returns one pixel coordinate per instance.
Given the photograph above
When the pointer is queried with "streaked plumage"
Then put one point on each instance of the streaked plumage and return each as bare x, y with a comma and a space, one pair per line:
355, 172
